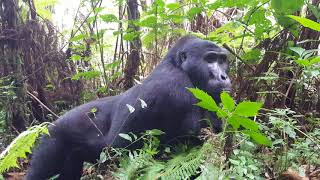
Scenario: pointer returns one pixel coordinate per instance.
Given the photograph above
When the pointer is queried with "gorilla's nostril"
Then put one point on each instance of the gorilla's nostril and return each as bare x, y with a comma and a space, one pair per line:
223, 77
211, 74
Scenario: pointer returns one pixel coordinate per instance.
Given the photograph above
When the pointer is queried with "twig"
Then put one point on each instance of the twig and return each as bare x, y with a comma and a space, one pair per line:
237, 56
43, 105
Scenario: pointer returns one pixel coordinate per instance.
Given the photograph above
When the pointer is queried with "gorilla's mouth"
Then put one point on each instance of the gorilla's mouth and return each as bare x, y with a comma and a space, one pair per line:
228, 89
218, 86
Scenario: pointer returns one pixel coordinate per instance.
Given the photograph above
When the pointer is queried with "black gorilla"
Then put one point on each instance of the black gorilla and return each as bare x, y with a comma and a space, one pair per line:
83, 132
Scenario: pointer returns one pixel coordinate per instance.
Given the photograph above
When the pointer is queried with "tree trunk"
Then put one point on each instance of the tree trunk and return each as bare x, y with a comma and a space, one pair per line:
16, 104
133, 60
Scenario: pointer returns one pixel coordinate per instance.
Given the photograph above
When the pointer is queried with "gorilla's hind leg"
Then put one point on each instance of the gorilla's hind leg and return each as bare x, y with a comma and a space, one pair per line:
48, 159
72, 167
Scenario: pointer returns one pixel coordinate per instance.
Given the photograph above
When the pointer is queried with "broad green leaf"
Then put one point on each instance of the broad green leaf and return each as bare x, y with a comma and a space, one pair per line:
237, 121
286, 6
173, 6
78, 37
248, 123
130, 36
248, 109
125, 136
230, 3
303, 62
227, 101
252, 55
221, 113
298, 50
43, 8
109, 18
306, 22
103, 157
87, 75
134, 136
308, 62
178, 19
75, 57
258, 137
194, 11
315, 60
283, 8
112, 65
154, 132
98, 9
206, 101
149, 21
315, 10
233, 121
290, 131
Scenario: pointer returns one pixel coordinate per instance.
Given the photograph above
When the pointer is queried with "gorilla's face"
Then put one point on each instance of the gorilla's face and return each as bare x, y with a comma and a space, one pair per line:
207, 66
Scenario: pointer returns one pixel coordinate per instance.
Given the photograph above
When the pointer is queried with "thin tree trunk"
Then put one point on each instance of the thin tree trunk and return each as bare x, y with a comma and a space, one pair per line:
16, 108
133, 60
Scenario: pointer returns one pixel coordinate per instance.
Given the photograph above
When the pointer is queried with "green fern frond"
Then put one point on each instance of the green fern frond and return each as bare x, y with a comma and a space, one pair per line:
185, 165
134, 164
20, 146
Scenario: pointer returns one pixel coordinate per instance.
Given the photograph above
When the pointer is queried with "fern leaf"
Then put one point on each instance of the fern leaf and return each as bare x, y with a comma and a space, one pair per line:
20, 146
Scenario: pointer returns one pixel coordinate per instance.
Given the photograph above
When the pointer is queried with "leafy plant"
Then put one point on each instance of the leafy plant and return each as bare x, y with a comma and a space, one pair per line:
237, 116
20, 146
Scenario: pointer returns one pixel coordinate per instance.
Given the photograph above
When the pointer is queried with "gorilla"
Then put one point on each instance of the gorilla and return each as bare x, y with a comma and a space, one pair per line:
80, 135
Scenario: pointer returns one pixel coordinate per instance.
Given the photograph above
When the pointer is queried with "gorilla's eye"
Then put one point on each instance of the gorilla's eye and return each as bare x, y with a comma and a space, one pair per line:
183, 56
213, 56
210, 57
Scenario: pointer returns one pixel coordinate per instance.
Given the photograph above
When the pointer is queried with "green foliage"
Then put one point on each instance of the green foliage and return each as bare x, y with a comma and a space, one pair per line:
142, 164
248, 109
43, 8
20, 146
236, 118
306, 22
244, 162
206, 101
109, 18
86, 75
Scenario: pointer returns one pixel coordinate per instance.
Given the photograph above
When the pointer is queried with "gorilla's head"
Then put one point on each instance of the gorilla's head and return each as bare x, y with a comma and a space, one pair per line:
204, 62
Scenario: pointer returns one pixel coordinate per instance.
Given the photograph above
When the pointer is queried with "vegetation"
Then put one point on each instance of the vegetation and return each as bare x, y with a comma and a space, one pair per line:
271, 122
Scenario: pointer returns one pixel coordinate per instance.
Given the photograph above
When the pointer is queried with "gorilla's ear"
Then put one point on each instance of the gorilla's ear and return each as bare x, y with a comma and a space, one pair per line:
181, 57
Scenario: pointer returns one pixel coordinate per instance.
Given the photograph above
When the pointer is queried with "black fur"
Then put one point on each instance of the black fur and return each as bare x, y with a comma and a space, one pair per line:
80, 134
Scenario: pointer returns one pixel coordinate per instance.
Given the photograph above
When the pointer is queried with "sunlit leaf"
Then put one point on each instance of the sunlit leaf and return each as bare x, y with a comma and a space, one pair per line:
131, 108
206, 101
298, 50
258, 137
149, 21
173, 6
154, 132
143, 103
75, 57
194, 11
103, 157
125, 136
237, 121
109, 18
227, 101
306, 22
248, 109
86, 75
112, 65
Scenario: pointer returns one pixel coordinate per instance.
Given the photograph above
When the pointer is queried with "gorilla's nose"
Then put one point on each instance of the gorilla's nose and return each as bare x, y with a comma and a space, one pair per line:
223, 77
